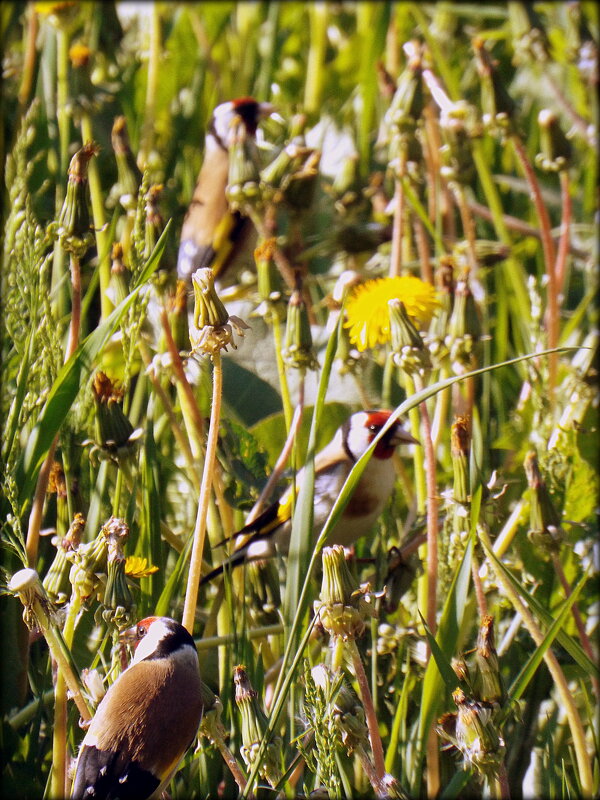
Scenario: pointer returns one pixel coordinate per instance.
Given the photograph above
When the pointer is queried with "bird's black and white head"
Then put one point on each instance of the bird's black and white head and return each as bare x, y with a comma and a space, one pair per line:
361, 428
160, 637
247, 109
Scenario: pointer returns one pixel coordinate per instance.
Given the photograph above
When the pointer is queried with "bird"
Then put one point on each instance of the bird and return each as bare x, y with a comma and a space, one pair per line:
272, 528
210, 230
146, 721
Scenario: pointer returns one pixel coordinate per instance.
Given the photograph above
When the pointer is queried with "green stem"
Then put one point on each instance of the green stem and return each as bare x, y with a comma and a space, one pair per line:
117, 495
398, 224
149, 124
58, 780
62, 97
189, 408
315, 70
565, 227
29, 59
191, 595
103, 243
283, 382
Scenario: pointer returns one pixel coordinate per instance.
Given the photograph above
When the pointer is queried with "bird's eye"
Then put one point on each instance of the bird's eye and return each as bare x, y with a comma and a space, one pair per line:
141, 632
374, 428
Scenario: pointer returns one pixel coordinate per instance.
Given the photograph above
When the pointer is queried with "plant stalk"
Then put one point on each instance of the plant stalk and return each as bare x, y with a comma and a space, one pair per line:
191, 595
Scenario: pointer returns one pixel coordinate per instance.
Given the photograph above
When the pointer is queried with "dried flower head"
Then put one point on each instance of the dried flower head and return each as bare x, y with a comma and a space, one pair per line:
213, 327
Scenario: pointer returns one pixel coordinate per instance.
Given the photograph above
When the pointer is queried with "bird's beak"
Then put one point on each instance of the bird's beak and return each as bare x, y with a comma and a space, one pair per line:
129, 636
401, 436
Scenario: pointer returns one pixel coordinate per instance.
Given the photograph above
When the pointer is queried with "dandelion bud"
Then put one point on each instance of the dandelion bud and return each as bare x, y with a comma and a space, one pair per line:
490, 685
408, 348
129, 176
460, 439
254, 725
556, 149
57, 484
342, 607
300, 185
119, 274
118, 600
298, 349
154, 221
444, 280
73, 230
116, 437
56, 581
244, 176
89, 562
83, 93
273, 176
177, 314
408, 101
262, 590
545, 530
464, 328
211, 725
477, 737
527, 34
498, 107
461, 670
212, 330
457, 152
272, 307
347, 187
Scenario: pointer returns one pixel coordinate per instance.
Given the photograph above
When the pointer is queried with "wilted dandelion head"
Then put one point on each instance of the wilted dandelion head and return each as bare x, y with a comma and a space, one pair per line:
367, 309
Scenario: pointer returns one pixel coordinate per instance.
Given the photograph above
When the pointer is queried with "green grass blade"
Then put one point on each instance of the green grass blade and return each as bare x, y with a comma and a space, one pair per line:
447, 639
571, 646
522, 680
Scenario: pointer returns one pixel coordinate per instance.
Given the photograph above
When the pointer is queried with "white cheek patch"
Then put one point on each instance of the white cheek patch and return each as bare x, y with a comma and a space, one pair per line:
157, 631
359, 436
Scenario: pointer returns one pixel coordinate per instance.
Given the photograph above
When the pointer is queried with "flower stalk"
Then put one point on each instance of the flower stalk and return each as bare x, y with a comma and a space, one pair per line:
212, 332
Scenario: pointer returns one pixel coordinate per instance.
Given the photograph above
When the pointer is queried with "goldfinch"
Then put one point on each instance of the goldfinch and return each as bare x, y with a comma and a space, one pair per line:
332, 467
210, 229
146, 721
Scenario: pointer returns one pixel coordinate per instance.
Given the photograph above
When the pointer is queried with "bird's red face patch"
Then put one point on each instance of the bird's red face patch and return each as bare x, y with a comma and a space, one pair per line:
141, 629
375, 422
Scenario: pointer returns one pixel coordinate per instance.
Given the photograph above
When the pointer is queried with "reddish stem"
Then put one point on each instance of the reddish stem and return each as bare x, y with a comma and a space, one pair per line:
549, 258
565, 233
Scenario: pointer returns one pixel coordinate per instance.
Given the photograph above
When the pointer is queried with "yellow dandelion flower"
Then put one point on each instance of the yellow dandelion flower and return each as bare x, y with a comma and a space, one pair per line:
367, 308
137, 567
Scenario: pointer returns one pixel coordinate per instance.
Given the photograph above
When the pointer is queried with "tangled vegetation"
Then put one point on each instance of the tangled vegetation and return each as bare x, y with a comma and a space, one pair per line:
422, 211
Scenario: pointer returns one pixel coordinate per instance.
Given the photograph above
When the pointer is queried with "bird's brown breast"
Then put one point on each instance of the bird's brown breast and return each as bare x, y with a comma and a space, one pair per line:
155, 714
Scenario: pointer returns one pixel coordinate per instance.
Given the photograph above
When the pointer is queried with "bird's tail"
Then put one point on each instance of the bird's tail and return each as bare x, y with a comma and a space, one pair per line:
258, 545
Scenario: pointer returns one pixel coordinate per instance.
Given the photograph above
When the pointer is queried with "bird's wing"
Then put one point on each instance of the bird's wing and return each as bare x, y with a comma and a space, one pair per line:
104, 775
259, 534
210, 229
